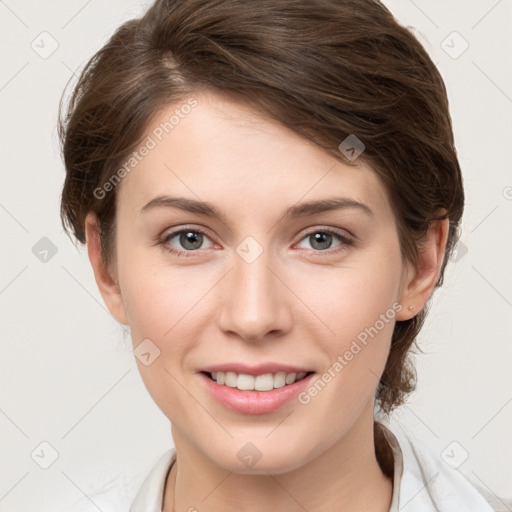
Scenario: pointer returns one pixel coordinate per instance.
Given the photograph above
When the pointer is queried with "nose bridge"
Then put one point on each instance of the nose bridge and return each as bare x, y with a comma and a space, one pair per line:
255, 303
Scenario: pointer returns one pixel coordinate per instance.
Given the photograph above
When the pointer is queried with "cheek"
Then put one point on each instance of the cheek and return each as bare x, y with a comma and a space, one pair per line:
347, 300
164, 306
357, 306
358, 316
158, 296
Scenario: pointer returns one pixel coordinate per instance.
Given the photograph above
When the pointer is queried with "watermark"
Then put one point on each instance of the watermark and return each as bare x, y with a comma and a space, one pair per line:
459, 252
249, 455
454, 45
150, 143
455, 455
146, 352
45, 45
44, 250
343, 360
249, 249
44, 455
351, 147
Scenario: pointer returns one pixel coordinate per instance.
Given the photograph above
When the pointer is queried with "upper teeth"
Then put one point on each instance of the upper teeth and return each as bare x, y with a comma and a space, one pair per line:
265, 382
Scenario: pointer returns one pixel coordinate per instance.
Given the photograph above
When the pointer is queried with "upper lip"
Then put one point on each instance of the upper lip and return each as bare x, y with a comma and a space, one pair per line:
260, 369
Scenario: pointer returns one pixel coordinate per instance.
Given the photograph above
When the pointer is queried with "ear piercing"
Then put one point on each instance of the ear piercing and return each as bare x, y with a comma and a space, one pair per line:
411, 308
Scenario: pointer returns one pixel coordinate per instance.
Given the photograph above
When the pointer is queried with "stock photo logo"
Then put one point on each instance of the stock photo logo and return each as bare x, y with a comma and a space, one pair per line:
151, 142
344, 359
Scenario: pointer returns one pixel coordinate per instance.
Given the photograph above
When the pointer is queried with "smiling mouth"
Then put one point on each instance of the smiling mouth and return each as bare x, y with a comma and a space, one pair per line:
265, 382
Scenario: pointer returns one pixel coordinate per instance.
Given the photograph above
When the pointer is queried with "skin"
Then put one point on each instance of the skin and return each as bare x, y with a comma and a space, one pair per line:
296, 303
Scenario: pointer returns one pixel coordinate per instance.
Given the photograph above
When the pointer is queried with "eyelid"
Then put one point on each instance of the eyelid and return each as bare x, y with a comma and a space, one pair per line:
344, 234
346, 242
172, 232
346, 238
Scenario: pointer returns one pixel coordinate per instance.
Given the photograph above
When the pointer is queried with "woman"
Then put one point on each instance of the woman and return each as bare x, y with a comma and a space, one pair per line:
269, 193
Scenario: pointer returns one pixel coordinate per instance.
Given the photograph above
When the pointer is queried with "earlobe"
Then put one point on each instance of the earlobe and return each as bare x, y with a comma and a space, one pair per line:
419, 282
107, 283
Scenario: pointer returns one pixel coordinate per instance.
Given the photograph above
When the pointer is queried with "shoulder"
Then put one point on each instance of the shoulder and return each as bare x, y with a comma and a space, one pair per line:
426, 482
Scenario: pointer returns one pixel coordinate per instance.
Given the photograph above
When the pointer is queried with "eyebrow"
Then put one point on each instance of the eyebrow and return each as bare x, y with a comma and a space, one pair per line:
296, 211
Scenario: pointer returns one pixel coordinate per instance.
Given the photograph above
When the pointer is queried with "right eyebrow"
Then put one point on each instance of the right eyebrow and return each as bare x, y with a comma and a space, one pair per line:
325, 205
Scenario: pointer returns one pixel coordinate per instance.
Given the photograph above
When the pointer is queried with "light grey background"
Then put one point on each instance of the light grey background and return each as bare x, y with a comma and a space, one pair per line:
67, 373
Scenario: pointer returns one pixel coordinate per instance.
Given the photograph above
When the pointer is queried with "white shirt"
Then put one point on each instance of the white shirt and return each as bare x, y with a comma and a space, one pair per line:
423, 482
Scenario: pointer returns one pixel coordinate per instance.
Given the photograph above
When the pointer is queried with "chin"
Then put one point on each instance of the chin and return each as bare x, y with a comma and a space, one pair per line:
259, 458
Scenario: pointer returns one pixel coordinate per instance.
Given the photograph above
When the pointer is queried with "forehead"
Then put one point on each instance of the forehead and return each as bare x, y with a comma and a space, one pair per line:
220, 150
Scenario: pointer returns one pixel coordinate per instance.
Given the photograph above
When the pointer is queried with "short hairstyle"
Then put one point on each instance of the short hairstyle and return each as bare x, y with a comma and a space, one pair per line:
326, 69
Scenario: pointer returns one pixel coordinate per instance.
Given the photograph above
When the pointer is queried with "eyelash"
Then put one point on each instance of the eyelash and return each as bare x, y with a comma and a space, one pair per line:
187, 254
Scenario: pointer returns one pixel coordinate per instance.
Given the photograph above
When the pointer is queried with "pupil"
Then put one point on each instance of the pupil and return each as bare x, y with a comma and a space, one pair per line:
323, 240
191, 240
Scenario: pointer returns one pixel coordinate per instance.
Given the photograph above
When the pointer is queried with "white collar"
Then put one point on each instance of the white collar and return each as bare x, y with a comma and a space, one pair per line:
426, 482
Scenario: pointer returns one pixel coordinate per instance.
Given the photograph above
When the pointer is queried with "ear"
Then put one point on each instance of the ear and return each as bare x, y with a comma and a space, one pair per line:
105, 278
419, 281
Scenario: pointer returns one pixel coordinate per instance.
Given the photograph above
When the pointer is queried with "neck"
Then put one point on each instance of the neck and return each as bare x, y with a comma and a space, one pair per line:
346, 476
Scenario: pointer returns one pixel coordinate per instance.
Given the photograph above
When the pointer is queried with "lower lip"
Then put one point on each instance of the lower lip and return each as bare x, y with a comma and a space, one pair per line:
254, 402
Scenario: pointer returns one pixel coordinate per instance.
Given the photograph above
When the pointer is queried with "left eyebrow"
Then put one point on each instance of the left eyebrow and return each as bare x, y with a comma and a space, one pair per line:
325, 205
299, 210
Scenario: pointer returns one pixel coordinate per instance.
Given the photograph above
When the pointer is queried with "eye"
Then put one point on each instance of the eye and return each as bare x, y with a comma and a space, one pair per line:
322, 240
188, 240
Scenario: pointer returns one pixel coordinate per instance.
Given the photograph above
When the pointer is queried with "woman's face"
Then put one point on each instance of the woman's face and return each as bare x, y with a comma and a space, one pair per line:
272, 286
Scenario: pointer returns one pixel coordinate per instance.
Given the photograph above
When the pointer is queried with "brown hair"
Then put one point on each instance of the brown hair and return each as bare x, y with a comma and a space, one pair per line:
323, 68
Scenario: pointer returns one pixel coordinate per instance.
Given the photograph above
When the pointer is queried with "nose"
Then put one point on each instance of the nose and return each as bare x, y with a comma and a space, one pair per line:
255, 302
